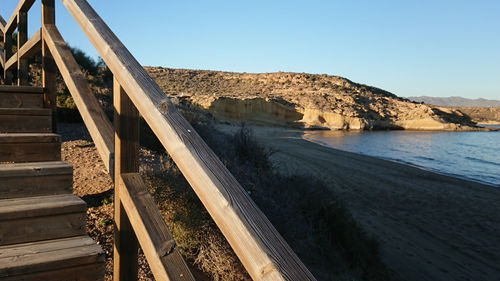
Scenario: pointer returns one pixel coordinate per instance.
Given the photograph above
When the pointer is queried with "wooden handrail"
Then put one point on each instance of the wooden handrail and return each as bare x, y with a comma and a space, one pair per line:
95, 119
33, 45
262, 250
23, 6
151, 230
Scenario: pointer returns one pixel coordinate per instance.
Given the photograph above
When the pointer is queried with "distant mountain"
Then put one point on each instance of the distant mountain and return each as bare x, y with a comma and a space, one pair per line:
456, 101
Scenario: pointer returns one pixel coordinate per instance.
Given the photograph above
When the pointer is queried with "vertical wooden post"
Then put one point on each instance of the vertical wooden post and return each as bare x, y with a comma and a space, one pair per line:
22, 37
48, 64
7, 53
126, 120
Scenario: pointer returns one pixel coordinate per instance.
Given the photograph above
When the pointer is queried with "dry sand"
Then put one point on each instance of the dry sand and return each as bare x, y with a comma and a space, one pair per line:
430, 226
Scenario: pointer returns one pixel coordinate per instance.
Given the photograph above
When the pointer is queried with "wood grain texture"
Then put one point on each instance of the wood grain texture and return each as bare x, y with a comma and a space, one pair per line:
7, 54
22, 6
2, 25
25, 51
22, 38
16, 260
20, 89
29, 147
21, 100
49, 68
25, 120
88, 272
126, 121
32, 219
151, 230
35, 179
262, 250
95, 119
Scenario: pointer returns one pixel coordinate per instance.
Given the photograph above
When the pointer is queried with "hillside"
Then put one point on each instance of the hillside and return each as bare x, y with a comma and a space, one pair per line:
303, 100
456, 101
482, 115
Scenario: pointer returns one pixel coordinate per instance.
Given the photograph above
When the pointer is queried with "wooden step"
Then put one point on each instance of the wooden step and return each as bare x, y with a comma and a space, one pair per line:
30, 147
35, 179
39, 218
25, 120
21, 97
68, 259
20, 89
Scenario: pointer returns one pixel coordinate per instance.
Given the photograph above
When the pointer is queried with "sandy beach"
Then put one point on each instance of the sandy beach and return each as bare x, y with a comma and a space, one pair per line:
430, 226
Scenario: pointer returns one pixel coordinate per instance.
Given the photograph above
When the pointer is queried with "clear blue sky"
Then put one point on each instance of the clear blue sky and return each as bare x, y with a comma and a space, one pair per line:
435, 48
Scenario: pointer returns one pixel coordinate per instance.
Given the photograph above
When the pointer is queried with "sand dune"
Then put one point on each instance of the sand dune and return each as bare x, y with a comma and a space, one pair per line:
430, 226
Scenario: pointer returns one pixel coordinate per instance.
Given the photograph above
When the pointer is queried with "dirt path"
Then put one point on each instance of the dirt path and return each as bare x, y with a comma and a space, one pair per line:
430, 226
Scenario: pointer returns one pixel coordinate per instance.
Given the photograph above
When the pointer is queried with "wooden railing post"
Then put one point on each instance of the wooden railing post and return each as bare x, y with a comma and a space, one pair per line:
48, 64
126, 122
22, 38
7, 53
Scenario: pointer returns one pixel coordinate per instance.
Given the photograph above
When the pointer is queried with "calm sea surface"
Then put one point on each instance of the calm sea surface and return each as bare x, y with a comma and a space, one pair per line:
470, 155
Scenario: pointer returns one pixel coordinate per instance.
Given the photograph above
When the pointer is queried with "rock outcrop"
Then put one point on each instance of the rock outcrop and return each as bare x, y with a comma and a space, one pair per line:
304, 100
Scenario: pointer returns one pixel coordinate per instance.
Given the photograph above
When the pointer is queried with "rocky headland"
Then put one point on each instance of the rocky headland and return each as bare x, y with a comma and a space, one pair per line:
310, 101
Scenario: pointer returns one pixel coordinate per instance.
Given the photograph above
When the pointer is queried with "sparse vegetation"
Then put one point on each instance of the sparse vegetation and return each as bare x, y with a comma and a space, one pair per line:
303, 209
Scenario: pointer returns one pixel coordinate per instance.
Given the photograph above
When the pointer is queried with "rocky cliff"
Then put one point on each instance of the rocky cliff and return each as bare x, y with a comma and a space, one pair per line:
304, 100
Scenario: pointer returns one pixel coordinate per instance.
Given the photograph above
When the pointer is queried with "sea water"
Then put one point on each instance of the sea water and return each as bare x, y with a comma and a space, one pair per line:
469, 155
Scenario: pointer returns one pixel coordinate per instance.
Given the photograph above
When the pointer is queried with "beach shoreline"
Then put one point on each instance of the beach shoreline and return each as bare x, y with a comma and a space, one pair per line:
430, 226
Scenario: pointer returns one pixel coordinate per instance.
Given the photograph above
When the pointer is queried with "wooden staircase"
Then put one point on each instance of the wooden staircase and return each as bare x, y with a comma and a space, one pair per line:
42, 224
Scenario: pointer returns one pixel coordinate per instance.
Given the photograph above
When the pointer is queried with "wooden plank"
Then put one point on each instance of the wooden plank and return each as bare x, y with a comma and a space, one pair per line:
152, 232
20, 89
33, 45
9, 65
89, 272
49, 68
22, 38
42, 228
31, 219
29, 147
95, 119
21, 100
35, 169
26, 51
126, 121
7, 53
2, 25
29, 138
35, 179
39, 206
48, 255
262, 250
2, 62
22, 6
25, 120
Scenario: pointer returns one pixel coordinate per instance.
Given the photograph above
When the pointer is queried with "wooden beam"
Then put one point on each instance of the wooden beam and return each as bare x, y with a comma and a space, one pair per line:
125, 263
49, 69
2, 25
7, 54
27, 50
1, 58
22, 38
262, 250
33, 45
152, 231
21, 89
23, 6
9, 65
95, 119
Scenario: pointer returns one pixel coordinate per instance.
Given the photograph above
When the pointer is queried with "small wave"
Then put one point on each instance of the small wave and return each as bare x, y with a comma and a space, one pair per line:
481, 161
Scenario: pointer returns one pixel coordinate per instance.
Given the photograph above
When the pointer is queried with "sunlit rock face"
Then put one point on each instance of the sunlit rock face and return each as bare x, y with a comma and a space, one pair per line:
304, 100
